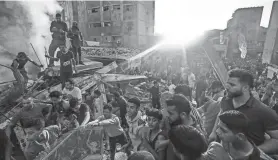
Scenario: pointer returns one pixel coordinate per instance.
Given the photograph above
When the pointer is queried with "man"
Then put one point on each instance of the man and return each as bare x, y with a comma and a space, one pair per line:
76, 42
71, 91
5, 146
58, 109
58, 29
262, 119
80, 110
180, 112
112, 127
31, 115
217, 90
122, 104
191, 80
272, 87
186, 91
91, 100
19, 64
232, 129
211, 108
155, 95
66, 63
135, 121
201, 87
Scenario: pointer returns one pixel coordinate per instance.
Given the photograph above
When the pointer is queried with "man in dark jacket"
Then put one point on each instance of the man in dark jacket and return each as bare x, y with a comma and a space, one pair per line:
58, 29
76, 42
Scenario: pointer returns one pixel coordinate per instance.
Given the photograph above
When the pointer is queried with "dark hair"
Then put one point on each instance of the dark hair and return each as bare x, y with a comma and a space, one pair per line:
155, 82
55, 94
243, 76
21, 54
154, 113
107, 106
71, 81
141, 155
234, 120
135, 101
180, 102
58, 15
73, 102
188, 141
97, 92
183, 89
116, 94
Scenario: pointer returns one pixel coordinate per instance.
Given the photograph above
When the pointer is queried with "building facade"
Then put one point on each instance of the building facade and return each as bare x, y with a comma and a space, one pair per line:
246, 22
270, 53
120, 23
113, 23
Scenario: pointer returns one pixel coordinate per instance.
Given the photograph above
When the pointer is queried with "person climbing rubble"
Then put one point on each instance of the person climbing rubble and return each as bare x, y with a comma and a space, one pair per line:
58, 29
76, 42
19, 64
66, 62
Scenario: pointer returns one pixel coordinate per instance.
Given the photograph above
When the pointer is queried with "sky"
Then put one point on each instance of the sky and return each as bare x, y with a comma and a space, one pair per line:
190, 17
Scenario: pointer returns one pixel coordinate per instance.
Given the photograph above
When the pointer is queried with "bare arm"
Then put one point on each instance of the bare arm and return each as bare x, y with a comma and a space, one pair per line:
30, 60
160, 151
270, 146
55, 59
86, 119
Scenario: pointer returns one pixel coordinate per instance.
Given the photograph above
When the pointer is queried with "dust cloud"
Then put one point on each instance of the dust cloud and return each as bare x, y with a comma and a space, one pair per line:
22, 23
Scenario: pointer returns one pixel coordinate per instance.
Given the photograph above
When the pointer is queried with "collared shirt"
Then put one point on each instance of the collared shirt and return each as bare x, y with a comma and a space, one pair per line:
261, 118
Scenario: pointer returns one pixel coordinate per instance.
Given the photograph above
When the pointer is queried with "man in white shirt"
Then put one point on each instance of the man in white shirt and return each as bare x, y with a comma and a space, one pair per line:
71, 91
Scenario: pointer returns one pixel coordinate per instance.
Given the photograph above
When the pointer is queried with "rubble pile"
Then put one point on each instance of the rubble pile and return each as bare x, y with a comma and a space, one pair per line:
112, 52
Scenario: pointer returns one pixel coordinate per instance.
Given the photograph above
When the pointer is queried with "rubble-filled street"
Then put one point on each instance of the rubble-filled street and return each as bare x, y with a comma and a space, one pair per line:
138, 80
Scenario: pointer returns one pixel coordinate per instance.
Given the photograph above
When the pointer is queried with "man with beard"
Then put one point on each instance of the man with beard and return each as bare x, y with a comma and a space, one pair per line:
76, 42
58, 29
262, 119
179, 110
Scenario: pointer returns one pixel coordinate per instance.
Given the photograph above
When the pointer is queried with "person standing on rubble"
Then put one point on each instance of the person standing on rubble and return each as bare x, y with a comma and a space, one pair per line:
66, 63
76, 42
58, 29
19, 64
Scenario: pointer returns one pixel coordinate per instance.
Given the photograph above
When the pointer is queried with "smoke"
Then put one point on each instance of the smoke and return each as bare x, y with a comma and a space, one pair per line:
22, 23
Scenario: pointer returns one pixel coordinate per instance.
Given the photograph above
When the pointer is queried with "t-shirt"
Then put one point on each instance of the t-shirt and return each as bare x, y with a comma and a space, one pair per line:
29, 117
191, 80
65, 61
76, 92
261, 118
172, 88
210, 112
112, 126
154, 92
84, 108
215, 151
59, 25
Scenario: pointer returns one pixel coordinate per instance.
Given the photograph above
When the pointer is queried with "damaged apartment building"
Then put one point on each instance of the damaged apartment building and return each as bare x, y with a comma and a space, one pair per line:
113, 23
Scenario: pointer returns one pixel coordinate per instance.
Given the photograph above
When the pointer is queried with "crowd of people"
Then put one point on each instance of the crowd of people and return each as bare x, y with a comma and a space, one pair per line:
195, 118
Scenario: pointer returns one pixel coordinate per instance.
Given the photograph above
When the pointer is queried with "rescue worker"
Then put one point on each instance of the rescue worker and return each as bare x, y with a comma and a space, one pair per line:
58, 29
76, 42
19, 64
